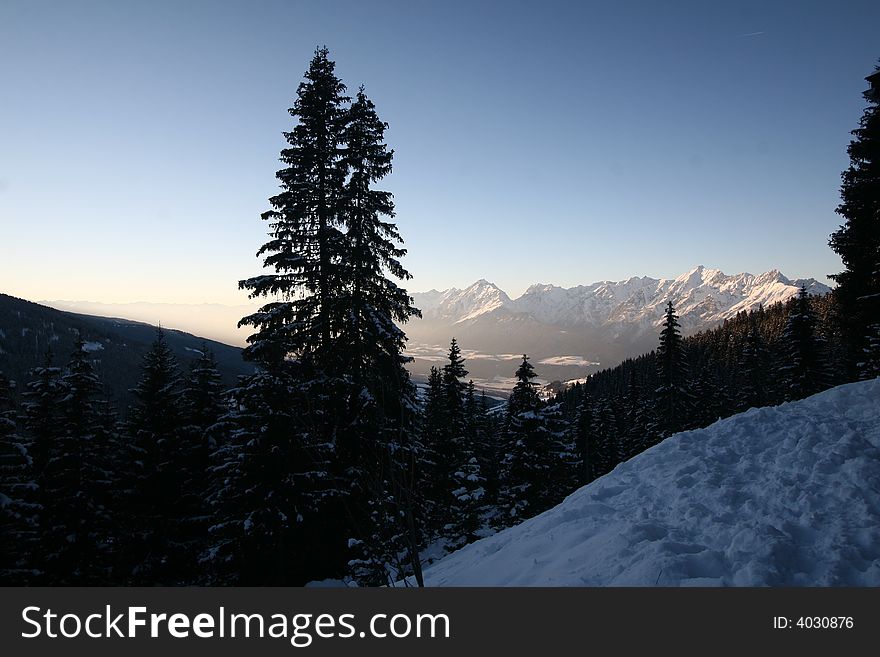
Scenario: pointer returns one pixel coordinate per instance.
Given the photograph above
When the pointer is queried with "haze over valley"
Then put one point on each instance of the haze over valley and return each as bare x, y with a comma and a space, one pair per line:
568, 333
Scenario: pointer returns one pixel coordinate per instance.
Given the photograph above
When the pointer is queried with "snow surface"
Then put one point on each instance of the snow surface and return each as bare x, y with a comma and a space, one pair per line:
91, 347
781, 496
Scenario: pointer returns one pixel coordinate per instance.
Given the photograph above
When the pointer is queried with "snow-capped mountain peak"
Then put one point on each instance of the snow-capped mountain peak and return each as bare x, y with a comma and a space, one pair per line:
455, 305
702, 297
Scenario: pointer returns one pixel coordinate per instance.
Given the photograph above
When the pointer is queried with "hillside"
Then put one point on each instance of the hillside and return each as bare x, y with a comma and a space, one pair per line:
28, 330
781, 496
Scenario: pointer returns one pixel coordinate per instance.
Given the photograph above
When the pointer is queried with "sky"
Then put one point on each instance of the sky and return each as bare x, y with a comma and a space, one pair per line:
534, 142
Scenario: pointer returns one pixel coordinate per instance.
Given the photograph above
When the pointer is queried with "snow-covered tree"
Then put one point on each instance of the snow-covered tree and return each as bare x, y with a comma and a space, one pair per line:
203, 393
304, 254
296, 345
382, 398
803, 365
77, 528
332, 307
464, 480
267, 478
528, 460
374, 303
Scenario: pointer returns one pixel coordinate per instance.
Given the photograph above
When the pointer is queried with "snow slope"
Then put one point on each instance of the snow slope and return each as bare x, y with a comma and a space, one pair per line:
782, 496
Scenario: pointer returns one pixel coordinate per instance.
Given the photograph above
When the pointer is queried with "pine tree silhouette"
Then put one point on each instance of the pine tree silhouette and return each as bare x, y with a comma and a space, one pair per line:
857, 241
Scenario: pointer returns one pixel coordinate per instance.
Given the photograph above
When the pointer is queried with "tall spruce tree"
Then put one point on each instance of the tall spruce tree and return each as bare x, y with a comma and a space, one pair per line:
374, 302
306, 248
857, 241
382, 398
296, 346
328, 332
672, 396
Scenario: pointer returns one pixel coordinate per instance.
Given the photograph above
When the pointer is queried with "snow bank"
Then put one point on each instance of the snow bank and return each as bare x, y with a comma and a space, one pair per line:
782, 496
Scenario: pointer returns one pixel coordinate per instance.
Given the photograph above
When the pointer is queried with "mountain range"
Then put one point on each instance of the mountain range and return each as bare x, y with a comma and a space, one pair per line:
567, 332
116, 347
585, 327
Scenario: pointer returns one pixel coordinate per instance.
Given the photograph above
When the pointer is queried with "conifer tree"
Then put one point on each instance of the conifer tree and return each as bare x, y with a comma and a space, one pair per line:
480, 429
393, 531
524, 396
264, 483
585, 441
202, 405
18, 507
203, 393
857, 241
332, 307
436, 460
753, 366
374, 303
606, 434
527, 465
470, 406
41, 415
454, 389
155, 433
638, 433
803, 366
381, 397
673, 398
307, 244
293, 432
76, 525
463, 477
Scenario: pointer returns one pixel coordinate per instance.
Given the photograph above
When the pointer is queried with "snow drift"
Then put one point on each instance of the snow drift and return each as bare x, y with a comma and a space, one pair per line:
782, 496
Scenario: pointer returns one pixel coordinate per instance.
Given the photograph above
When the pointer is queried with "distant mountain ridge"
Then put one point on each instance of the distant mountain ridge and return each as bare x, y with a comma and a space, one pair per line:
570, 332
28, 331
702, 297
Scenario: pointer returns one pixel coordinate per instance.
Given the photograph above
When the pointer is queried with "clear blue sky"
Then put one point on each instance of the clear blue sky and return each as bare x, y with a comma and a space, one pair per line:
539, 141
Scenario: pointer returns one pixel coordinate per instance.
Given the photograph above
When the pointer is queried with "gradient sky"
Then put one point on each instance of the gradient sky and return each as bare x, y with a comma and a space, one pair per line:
534, 141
